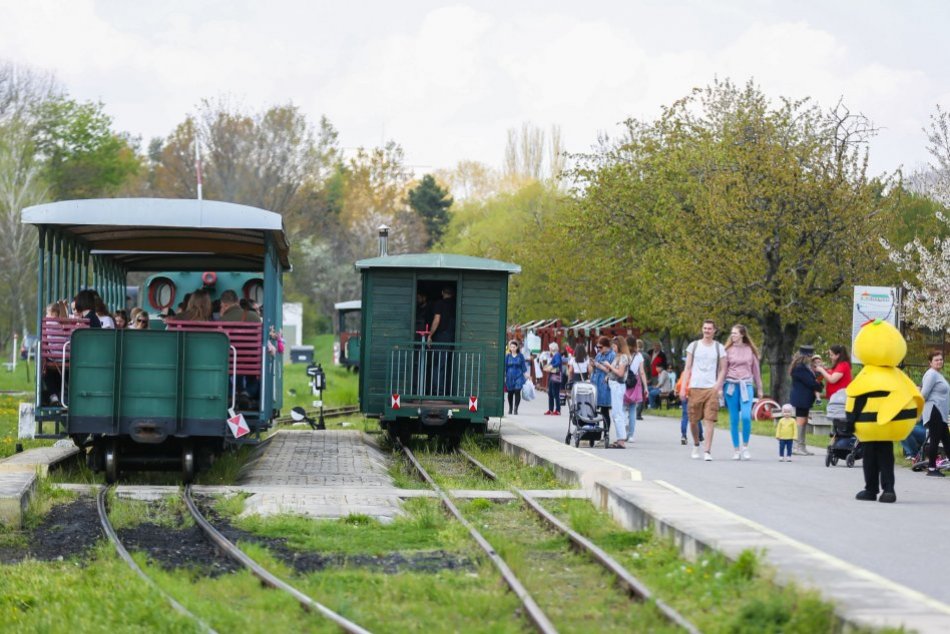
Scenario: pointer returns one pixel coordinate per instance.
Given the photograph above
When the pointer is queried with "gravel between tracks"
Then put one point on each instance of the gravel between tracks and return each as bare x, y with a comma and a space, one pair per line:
68, 530
427, 561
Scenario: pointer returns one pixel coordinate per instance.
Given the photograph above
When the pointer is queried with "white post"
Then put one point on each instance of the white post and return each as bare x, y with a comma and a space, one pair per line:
16, 351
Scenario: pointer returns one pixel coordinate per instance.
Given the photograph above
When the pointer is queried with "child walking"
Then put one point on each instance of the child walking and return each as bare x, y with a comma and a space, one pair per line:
785, 432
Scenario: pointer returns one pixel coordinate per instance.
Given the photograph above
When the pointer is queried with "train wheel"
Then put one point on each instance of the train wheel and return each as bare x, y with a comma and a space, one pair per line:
110, 459
187, 463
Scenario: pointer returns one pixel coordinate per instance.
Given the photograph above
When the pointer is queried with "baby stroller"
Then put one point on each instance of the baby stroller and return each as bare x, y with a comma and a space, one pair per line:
585, 422
844, 444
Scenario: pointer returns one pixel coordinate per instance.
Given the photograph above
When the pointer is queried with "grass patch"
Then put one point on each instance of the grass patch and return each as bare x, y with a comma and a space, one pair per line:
717, 594
424, 526
571, 589
452, 471
168, 511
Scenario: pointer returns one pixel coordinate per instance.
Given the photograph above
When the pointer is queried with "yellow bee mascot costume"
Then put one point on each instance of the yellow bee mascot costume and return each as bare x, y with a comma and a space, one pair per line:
883, 405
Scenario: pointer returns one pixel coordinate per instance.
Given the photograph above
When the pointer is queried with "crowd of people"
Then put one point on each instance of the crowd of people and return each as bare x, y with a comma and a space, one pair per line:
196, 306
714, 375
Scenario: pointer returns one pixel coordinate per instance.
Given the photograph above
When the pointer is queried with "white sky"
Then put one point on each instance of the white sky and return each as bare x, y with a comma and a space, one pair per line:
447, 81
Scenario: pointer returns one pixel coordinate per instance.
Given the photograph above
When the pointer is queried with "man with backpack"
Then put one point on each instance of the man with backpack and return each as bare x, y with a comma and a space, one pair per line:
703, 377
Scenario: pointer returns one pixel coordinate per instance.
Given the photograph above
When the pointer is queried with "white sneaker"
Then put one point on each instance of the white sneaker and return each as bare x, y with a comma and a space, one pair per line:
694, 454
735, 454
707, 457
781, 458
745, 454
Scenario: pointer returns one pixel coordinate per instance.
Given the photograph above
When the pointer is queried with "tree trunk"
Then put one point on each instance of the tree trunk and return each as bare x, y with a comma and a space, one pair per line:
778, 347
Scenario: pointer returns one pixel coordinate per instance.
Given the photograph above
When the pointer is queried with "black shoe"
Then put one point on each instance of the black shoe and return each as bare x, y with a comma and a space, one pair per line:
934, 473
516, 411
509, 411
865, 495
639, 417
888, 497
683, 440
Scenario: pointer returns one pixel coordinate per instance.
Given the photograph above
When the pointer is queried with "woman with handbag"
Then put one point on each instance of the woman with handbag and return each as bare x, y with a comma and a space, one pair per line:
601, 366
516, 368
555, 370
616, 373
636, 386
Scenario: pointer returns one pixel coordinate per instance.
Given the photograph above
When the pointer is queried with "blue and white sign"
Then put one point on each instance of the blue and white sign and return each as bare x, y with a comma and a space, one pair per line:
870, 303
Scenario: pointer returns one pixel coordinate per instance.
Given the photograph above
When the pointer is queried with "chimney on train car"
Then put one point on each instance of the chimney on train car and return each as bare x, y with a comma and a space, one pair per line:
383, 240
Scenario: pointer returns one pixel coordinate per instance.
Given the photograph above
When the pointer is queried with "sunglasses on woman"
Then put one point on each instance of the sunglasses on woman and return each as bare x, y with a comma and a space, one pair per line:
141, 321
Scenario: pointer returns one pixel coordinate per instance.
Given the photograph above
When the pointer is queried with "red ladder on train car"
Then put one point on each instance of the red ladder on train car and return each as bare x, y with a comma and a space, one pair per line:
245, 336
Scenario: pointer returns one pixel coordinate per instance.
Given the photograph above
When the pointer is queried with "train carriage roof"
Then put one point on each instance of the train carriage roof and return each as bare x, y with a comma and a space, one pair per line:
437, 261
157, 234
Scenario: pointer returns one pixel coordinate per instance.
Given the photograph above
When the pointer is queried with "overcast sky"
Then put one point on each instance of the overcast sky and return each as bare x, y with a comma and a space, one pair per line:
447, 81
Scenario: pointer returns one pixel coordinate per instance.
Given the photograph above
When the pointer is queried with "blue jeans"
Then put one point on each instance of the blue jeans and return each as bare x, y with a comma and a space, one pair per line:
913, 442
785, 447
739, 409
654, 397
631, 411
617, 409
684, 422
554, 396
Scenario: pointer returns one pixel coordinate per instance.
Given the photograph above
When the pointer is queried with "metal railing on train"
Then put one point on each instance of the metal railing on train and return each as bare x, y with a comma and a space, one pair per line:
435, 371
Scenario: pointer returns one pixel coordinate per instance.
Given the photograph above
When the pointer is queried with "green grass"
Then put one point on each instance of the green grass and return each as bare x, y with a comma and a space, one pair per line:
169, 511
451, 471
424, 526
718, 595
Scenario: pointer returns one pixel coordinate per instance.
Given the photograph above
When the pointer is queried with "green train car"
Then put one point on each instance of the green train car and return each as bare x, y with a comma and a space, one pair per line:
416, 386
155, 399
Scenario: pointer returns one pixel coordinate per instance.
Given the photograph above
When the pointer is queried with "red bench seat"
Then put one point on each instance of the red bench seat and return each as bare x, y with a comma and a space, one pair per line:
55, 332
246, 337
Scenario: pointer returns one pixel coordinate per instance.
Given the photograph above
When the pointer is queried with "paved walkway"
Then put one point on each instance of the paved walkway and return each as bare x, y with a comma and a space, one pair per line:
325, 474
898, 547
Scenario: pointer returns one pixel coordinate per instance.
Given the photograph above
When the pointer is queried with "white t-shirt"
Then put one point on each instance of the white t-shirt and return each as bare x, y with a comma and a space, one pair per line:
705, 368
579, 368
636, 364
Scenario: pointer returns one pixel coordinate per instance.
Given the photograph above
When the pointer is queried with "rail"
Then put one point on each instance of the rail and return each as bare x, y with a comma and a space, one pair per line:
261, 573
435, 371
127, 558
537, 616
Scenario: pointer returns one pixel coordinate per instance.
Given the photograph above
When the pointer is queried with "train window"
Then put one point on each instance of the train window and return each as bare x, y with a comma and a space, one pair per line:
161, 293
254, 289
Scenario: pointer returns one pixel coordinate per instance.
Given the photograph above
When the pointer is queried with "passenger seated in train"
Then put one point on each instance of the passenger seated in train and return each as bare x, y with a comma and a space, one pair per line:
105, 318
231, 309
84, 305
198, 307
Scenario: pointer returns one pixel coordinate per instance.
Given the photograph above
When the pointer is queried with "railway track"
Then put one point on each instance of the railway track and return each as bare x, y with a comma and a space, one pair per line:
232, 551
328, 412
634, 586
629, 582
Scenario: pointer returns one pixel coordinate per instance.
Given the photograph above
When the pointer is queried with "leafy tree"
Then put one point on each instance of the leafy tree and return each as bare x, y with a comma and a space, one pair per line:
83, 156
23, 92
926, 300
729, 207
522, 226
432, 204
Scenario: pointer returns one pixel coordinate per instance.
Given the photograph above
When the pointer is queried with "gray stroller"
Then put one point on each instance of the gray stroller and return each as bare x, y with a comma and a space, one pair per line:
585, 421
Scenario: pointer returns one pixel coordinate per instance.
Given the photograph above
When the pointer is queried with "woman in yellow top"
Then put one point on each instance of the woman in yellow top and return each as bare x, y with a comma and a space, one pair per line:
785, 430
